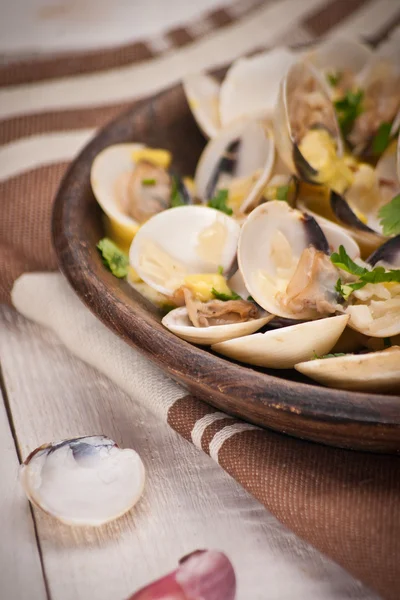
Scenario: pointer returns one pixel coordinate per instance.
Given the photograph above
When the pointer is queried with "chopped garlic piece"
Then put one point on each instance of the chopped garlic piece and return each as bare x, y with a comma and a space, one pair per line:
201, 285
157, 156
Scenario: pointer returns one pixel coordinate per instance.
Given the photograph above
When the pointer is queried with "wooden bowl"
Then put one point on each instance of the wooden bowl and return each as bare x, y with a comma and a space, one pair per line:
280, 400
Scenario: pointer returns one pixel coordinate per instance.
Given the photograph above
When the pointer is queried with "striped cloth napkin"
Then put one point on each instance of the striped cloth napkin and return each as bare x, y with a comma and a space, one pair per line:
346, 504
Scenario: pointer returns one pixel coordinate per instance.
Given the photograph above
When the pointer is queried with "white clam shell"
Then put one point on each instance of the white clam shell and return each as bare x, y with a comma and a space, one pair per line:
85, 481
283, 348
338, 53
202, 93
256, 153
337, 236
183, 235
256, 254
373, 372
178, 322
107, 167
250, 88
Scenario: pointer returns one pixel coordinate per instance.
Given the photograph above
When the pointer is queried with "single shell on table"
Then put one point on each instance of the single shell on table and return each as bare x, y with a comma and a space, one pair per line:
179, 323
372, 372
340, 59
283, 348
181, 241
202, 94
304, 105
240, 159
83, 481
250, 87
282, 256
132, 183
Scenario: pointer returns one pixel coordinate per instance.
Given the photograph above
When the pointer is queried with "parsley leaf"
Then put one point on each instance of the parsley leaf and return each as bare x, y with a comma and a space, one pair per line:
219, 202
149, 182
376, 275
344, 262
116, 261
225, 297
333, 78
348, 108
220, 270
176, 196
282, 192
381, 139
390, 216
317, 357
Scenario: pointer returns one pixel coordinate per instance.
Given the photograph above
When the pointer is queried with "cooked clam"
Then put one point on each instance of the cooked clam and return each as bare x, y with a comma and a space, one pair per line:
83, 481
372, 372
250, 87
182, 241
282, 256
239, 160
202, 93
306, 130
283, 348
340, 59
220, 321
132, 183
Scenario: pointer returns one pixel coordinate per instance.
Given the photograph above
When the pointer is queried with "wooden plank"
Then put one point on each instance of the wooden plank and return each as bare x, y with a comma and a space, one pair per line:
21, 575
189, 501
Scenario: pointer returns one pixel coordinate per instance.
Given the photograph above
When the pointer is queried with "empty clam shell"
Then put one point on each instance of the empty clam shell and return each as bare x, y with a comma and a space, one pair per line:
179, 323
250, 88
83, 481
202, 93
283, 348
181, 241
372, 372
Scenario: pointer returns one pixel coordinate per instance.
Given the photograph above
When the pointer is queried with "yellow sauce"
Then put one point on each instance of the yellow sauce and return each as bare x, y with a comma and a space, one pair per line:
201, 285
156, 156
319, 149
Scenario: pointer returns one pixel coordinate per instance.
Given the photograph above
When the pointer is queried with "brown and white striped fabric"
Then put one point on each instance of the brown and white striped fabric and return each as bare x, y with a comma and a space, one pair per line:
346, 504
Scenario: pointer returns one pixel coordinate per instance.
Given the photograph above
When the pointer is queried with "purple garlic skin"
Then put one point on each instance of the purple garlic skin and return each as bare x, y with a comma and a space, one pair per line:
202, 575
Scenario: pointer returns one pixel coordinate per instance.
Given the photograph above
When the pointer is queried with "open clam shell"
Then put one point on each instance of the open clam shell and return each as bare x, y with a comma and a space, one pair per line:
83, 481
372, 372
272, 240
250, 87
179, 323
283, 348
341, 58
387, 255
182, 241
303, 104
202, 94
240, 160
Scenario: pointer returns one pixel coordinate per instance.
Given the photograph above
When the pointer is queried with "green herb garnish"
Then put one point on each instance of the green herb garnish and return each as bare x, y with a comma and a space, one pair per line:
390, 216
225, 297
149, 182
220, 270
348, 108
376, 275
282, 192
250, 299
176, 196
381, 139
219, 202
116, 261
316, 357
334, 78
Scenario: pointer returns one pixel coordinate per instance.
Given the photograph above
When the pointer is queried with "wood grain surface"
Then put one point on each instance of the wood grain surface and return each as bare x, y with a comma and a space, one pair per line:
189, 501
282, 400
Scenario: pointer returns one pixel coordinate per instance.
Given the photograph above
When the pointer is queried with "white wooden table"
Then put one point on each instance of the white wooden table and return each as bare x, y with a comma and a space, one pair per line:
48, 395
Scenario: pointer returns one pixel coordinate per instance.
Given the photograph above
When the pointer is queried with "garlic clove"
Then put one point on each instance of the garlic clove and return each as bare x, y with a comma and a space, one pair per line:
202, 575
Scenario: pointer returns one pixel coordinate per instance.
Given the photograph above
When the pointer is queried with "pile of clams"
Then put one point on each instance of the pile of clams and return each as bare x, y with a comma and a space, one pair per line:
283, 249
